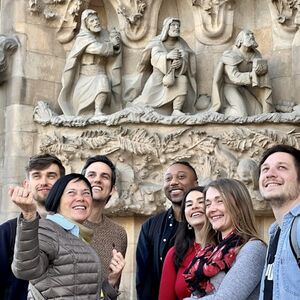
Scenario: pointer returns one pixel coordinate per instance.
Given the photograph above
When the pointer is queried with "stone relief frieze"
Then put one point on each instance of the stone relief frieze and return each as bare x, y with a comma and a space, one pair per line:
172, 80
141, 156
8, 45
286, 19
44, 115
288, 13
213, 20
137, 12
65, 12
46, 7
92, 72
241, 84
137, 20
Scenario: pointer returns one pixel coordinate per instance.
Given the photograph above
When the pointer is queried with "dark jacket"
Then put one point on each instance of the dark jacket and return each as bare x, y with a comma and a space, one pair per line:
11, 288
156, 238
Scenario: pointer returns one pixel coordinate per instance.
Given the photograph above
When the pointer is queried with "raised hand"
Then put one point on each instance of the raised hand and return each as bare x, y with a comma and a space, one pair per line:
23, 198
116, 266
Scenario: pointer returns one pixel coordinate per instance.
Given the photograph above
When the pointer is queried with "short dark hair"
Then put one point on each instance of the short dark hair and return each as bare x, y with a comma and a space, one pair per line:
104, 159
42, 162
187, 164
54, 196
286, 149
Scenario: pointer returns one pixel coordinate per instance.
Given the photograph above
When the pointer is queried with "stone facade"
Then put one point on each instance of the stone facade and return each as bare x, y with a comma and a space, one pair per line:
36, 36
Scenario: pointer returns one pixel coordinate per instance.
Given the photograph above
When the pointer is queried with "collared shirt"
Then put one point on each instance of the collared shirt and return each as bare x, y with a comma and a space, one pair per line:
64, 223
156, 238
286, 273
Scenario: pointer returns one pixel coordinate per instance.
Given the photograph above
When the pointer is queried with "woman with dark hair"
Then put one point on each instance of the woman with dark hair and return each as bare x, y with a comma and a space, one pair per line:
188, 243
234, 269
53, 253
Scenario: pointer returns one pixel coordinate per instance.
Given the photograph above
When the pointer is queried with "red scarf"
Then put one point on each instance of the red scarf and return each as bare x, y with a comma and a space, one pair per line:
208, 262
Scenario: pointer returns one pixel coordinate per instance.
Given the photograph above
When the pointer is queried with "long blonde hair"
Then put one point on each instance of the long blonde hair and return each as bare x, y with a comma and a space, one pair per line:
238, 204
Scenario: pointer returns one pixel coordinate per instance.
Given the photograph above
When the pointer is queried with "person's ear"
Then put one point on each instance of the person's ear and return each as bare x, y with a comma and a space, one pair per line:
113, 189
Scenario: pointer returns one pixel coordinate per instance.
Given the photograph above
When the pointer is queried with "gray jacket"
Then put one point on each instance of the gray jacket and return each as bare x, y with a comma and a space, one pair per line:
57, 263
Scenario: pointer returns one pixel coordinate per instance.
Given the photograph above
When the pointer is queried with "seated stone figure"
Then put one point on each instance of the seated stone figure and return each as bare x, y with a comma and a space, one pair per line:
173, 65
241, 85
92, 71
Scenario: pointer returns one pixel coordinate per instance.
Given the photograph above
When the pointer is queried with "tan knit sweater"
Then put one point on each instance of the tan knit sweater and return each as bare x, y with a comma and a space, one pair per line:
106, 234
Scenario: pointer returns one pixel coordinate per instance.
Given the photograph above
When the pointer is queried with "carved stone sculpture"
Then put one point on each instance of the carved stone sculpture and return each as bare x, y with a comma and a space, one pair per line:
213, 20
174, 68
137, 20
92, 72
7, 47
241, 85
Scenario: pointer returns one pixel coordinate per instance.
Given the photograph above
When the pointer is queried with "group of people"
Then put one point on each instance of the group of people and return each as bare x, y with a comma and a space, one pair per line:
206, 245
62, 245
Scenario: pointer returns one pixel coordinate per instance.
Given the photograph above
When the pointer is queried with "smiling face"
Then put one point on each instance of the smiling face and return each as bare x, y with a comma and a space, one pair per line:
76, 201
178, 180
40, 182
278, 180
99, 175
217, 213
194, 209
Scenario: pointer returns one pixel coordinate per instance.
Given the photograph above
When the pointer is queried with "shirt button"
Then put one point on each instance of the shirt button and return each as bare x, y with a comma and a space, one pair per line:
171, 225
164, 240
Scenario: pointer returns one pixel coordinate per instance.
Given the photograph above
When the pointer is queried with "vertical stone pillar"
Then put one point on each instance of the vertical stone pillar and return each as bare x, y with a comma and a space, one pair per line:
16, 131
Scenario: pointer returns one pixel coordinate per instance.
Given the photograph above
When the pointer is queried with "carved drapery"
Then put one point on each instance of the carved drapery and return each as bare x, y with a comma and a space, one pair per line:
142, 155
213, 20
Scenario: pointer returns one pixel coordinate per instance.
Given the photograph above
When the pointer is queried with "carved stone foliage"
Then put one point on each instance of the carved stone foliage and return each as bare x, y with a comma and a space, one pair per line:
288, 13
141, 156
213, 20
62, 11
8, 45
44, 115
137, 19
286, 19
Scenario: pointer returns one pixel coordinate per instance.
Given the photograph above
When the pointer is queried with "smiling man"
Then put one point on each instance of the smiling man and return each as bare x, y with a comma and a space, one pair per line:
42, 171
158, 232
109, 239
279, 184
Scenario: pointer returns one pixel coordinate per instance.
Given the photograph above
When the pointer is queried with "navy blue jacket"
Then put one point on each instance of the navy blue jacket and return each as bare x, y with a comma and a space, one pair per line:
156, 238
11, 288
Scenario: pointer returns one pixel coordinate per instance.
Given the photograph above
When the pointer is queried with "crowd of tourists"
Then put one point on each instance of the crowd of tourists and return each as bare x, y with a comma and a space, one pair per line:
206, 245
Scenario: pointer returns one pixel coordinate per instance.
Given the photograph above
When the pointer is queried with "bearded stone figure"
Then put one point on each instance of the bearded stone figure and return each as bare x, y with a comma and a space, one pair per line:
241, 85
92, 72
173, 65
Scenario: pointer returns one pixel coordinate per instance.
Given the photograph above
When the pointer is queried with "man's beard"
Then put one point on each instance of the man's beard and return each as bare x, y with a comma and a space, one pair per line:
176, 203
279, 200
250, 43
40, 200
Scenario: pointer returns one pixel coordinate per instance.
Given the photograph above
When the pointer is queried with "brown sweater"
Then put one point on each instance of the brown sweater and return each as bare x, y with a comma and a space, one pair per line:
106, 234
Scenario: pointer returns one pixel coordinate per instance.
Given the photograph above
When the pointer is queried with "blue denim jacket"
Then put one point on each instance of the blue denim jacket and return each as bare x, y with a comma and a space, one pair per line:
286, 273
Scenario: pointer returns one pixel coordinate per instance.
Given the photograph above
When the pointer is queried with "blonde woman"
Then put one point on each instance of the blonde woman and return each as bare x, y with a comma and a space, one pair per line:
233, 270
